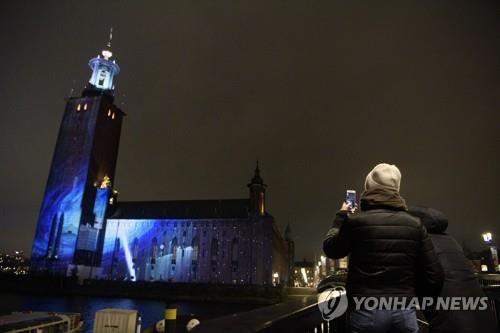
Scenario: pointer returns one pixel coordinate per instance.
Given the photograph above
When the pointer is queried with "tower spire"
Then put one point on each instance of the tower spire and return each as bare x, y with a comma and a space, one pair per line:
110, 37
257, 179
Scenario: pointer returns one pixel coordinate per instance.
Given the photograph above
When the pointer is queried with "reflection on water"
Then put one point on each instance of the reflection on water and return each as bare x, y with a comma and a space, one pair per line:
151, 311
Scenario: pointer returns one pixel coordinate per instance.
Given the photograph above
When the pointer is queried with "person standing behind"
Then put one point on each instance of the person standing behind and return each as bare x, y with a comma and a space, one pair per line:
386, 246
459, 281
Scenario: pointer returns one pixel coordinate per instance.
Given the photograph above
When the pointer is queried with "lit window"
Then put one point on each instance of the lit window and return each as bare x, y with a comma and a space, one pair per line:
214, 249
78, 107
85, 106
262, 210
113, 116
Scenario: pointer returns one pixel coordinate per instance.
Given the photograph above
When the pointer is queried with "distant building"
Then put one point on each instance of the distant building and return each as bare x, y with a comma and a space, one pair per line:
328, 266
334, 265
14, 263
309, 274
83, 229
304, 274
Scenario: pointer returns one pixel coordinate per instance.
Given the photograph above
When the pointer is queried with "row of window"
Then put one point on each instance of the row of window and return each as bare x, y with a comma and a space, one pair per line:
111, 114
79, 107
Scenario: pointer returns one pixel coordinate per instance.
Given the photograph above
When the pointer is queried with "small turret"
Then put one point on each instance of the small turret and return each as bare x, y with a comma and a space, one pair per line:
257, 193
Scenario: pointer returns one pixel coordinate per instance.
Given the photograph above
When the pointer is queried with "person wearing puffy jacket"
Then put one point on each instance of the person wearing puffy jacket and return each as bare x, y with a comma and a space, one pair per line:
459, 280
388, 251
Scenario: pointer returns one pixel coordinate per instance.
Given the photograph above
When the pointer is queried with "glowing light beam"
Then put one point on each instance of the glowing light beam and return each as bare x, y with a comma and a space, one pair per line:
128, 255
304, 275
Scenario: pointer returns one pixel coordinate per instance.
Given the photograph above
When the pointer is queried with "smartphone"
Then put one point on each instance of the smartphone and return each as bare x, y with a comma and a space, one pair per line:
350, 198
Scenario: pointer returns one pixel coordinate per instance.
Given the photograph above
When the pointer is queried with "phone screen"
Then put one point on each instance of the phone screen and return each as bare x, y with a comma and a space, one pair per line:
350, 198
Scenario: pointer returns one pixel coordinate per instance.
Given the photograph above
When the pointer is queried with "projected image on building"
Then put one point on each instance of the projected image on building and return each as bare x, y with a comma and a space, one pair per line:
178, 250
61, 210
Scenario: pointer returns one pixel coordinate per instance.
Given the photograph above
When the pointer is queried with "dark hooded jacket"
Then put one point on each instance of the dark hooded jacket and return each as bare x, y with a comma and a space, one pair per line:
386, 248
459, 280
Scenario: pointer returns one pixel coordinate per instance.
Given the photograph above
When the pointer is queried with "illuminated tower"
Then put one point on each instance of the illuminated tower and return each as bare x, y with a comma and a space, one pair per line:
71, 222
257, 193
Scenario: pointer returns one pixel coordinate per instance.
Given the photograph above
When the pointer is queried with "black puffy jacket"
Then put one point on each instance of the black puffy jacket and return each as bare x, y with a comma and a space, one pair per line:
460, 280
386, 248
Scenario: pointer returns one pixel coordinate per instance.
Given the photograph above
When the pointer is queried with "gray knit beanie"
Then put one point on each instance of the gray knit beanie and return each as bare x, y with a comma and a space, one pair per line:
384, 175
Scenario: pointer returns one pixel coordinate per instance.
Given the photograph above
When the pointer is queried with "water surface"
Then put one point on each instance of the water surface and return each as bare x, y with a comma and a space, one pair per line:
150, 310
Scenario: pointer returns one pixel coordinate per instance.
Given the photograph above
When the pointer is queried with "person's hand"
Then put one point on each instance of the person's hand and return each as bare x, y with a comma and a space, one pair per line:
346, 207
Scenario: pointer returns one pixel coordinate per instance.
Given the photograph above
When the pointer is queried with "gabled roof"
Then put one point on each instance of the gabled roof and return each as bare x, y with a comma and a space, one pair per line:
181, 209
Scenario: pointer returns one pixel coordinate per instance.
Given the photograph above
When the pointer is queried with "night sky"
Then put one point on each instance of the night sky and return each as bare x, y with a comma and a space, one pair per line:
318, 91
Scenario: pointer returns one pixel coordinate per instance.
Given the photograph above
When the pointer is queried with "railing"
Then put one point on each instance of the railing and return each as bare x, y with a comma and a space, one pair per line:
298, 315
491, 286
301, 315
489, 280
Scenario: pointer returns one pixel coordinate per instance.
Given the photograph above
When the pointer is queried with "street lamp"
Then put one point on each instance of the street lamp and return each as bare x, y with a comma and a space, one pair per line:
487, 237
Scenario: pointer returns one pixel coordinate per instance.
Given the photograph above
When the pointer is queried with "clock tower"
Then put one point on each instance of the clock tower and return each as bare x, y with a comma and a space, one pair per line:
71, 223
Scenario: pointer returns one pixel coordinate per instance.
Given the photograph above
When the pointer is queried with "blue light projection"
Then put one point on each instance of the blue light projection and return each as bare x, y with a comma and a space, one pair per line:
58, 225
89, 232
128, 256
61, 210
100, 205
148, 250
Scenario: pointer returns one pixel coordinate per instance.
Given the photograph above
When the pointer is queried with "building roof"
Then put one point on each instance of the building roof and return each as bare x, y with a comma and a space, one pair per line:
181, 209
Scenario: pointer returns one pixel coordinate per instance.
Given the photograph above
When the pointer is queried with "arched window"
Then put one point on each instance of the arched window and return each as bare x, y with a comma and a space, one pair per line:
234, 250
195, 244
154, 247
173, 249
154, 250
214, 249
262, 209
135, 250
234, 254
183, 243
103, 73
